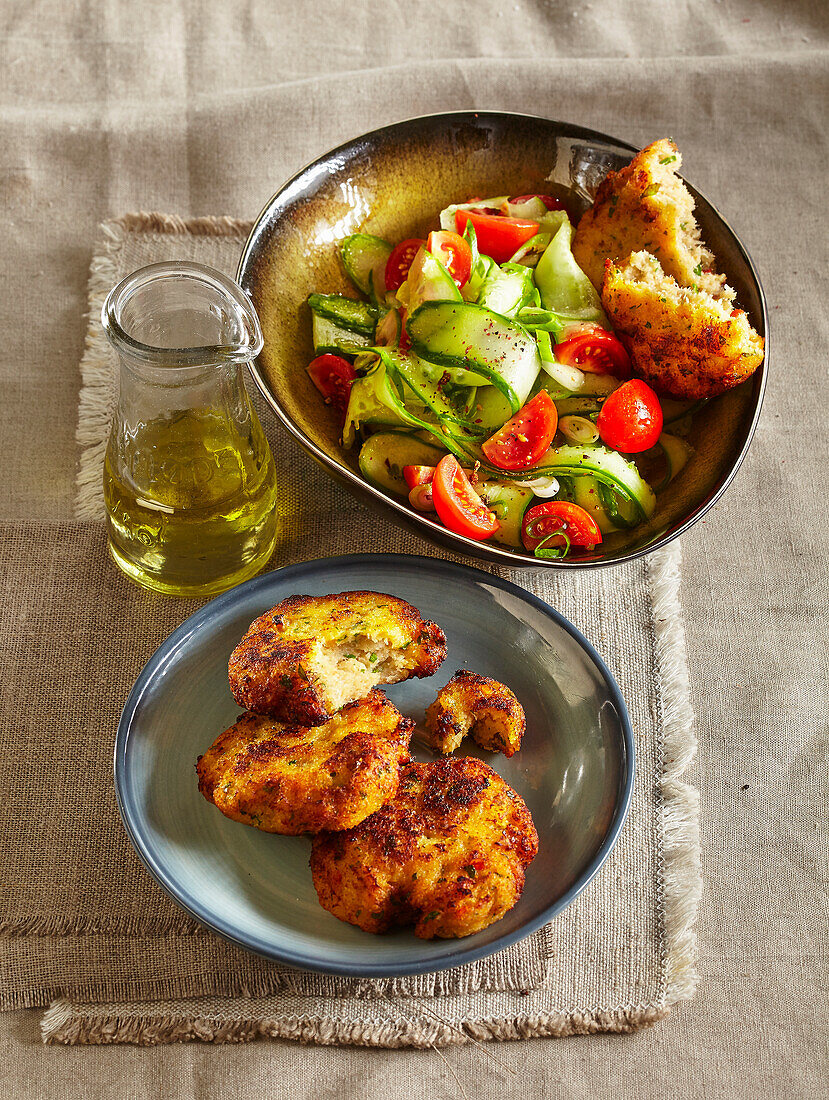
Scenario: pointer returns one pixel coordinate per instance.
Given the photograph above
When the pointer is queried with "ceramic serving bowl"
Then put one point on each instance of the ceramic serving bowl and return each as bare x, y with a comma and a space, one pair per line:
574, 770
392, 183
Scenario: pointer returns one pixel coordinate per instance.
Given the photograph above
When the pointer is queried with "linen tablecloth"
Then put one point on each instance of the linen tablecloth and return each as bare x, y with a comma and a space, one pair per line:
200, 108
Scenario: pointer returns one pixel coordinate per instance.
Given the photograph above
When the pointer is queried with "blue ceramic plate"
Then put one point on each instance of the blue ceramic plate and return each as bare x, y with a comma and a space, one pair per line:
574, 770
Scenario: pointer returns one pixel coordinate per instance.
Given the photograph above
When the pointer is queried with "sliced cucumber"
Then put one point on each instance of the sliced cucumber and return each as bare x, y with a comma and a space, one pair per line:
457, 375
622, 512
474, 338
505, 291
328, 336
492, 409
383, 456
346, 312
606, 466
364, 258
598, 385
677, 452
428, 391
577, 406
564, 287
373, 401
586, 494
509, 503
427, 281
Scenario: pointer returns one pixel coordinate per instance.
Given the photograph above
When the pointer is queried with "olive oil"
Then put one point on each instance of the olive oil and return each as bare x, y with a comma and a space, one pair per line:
190, 501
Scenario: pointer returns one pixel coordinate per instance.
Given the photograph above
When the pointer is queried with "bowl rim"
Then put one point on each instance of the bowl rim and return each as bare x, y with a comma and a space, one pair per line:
289, 573
425, 526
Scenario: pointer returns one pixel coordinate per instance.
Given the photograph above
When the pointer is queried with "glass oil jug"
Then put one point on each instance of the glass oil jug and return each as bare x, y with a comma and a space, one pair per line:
189, 481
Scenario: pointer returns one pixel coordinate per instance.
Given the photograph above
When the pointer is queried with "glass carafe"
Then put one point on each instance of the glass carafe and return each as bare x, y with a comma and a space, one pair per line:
189, 479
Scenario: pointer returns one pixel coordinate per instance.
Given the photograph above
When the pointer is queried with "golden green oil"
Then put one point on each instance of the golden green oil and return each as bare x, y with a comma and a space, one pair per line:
190, 504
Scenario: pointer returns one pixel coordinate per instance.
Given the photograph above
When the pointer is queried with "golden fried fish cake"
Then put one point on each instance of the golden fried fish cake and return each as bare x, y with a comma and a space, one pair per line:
681, 341
310, 655
479, 706
447, 855
646, 206
294, 779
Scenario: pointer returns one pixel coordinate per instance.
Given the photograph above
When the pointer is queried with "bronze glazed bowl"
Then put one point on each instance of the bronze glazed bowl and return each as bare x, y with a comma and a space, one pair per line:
392, 183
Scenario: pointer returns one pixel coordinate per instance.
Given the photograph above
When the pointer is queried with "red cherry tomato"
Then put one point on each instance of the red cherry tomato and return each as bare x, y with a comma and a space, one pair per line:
548, 200
333, 376
453, 252
458, 505
630, 420
524, 439
559, 517
596, 352
398, 264
497, 237
418, 475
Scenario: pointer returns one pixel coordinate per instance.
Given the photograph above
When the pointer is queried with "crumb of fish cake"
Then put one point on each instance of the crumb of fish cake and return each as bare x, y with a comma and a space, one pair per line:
310, 655
647, 207
479, 706
295, 779
682, 341
448, 854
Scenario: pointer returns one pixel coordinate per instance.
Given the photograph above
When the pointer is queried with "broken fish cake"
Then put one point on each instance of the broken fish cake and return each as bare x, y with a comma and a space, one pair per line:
645, 206
310, 655
479, 706
681, 340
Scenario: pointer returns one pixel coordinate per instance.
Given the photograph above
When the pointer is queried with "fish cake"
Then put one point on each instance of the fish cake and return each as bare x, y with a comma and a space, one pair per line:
296, 779
310, 655
447, 855
646, 206
479, 706
681, 340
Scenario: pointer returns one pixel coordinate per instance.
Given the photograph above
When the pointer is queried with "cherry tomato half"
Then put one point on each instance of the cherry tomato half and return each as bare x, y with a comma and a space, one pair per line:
418, 475
630, 420
398, 264
453, 252
524, 439
497, 237
559, 517
596, 352
458, 505
333, 376
548, 200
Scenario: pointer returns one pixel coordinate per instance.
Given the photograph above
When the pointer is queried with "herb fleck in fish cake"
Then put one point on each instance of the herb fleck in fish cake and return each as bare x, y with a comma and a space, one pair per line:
447, 855
310, 655
295, 779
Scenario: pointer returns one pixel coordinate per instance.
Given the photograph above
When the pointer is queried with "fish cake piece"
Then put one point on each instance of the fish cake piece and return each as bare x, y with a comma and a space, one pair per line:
448, 854
646, 207
310, 655
297, 779
476, 705
681, 340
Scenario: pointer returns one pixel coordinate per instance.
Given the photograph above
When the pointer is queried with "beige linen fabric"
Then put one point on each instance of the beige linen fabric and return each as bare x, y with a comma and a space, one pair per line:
620, 958
198, 108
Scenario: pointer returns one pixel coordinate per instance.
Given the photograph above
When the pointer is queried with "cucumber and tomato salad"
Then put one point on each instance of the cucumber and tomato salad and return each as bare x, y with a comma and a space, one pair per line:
485, 383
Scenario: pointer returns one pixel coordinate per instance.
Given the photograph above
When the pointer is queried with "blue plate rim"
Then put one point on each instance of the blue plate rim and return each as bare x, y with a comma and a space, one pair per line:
298, 959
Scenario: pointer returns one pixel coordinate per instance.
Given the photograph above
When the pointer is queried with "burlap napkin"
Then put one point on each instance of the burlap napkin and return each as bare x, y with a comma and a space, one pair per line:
117, 958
